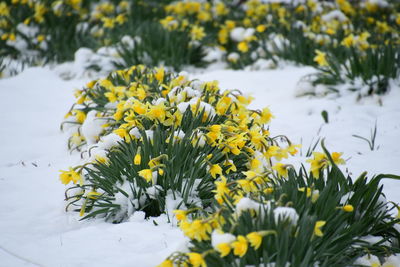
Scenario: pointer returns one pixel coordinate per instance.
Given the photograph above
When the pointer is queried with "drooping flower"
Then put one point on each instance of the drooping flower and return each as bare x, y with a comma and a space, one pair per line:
224, 249
240, 246
336, 157
281, 168
255, 239
180, 215
214, 170
71, 175
147, 174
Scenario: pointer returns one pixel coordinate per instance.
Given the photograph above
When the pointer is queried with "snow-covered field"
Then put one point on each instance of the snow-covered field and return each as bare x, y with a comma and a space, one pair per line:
36, 231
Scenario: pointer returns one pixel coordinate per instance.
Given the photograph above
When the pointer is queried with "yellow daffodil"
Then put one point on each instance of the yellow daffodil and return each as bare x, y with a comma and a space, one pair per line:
246, 185
318, 163
147, 174
255, 239
266, 116
254, 164
336, 157
196, 259
224, 249
197, 229
261, 28
121, 132
320, 58
215, 170
240, 246
243, 47
166, 263
348, 41
79, 115
348, 208
317, 228
137, 159
230, 165
157, 112
221, 190
101, 159
159, 75
197, 33
180, 215
282, 169
71, 175
292, 149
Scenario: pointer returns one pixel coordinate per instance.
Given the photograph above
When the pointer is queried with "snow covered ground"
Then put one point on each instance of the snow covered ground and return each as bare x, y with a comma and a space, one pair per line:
36, 231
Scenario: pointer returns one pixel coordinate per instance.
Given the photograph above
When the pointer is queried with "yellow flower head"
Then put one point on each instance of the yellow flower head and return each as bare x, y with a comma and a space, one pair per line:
320, 58
147, 174
261, 28
197, 33
240, 246
224, 249
159, 75
281, 168
214, 170
348, 208
180, 215
318, 163
67, 176
266, 116
255, 239
157, 112
121, 132
317, 228
166, 263
137, 159
337, 159
196, 259
348, 41
254, 164
243, 47
79, 115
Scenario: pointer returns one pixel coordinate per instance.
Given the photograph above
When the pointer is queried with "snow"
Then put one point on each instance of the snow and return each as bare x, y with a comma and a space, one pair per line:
246, 204
286, 213
334, 14
36, 231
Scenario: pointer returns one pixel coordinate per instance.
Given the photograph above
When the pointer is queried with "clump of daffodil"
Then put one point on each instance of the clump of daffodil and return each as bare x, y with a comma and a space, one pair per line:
149, 114
243, 226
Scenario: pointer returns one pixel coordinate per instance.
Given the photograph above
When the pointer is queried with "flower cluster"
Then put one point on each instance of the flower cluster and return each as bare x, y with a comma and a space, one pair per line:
36, 32
350, 42
159, 139
256, 32
292, 222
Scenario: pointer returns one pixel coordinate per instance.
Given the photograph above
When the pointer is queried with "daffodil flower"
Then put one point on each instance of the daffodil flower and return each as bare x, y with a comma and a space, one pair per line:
317, 228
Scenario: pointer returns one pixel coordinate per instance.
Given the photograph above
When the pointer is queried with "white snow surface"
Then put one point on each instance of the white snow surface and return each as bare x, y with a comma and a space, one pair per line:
36, 231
